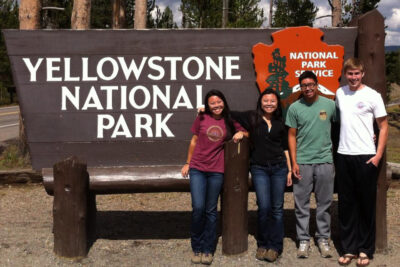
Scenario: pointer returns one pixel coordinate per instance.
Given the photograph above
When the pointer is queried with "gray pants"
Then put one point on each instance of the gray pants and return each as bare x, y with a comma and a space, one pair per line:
321, 177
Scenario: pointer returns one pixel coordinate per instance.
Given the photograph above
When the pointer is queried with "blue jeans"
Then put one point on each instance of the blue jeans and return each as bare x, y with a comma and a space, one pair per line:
269, 183
204, 189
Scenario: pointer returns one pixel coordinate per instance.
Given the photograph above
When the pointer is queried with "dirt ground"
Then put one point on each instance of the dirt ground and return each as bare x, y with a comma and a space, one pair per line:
150, 230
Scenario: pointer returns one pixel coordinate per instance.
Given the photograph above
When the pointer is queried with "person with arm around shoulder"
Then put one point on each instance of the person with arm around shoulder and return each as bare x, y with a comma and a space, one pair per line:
309, 120
205, 167
357, 163
270, 170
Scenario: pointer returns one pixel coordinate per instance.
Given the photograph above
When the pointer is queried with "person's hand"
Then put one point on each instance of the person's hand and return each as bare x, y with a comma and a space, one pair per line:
289, 179
201, 109
296, 171
237, 137
185, 170
374, 160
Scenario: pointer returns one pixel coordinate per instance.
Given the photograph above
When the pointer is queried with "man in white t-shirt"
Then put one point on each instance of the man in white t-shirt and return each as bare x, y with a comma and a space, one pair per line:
357, 163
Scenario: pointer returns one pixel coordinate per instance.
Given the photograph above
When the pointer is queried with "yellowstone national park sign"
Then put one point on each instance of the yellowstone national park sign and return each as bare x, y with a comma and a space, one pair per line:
129, 97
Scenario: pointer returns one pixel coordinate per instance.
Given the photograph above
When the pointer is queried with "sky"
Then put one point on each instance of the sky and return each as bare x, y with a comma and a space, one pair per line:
390, 9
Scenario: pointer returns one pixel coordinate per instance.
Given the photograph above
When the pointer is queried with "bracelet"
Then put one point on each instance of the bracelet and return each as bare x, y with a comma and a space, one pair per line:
186, 163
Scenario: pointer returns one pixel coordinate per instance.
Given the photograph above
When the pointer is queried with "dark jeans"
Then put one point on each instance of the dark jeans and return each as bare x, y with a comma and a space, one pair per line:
204, 189
357, 184
269, 183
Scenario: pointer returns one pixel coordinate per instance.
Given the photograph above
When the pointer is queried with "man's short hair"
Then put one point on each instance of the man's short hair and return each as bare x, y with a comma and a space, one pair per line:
353, 63
308, 74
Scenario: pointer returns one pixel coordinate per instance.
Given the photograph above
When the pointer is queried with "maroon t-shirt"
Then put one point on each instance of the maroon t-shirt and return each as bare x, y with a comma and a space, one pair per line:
208, 154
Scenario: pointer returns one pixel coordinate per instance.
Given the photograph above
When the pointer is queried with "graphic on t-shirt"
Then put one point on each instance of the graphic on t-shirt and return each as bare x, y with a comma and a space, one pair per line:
322, 115
360, 105
215, 133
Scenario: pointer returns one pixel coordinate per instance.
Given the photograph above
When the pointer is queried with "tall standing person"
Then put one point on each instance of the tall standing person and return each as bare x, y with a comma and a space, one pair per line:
310, 146
205, 166
357, 163
270, 170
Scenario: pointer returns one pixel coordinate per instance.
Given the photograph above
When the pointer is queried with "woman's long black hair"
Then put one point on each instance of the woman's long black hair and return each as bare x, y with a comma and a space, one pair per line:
226, 114
259, 112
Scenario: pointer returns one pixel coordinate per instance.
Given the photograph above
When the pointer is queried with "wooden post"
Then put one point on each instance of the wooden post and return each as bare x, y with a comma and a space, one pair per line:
80, 17
70, 208
118, 17
29, 19
29, 14
371, 49
336, 13
235, 198
140, 14
225, 12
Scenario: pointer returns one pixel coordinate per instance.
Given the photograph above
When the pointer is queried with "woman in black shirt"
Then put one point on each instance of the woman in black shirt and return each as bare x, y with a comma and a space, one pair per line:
270, 170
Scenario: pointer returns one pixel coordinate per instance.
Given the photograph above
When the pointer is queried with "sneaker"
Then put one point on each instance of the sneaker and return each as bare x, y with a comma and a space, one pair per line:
260, 254
206, 258
196, 257
271, 255
324, 248
304, 247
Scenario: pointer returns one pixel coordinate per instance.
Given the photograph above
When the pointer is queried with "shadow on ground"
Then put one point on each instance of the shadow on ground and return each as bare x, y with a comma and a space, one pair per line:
125, 225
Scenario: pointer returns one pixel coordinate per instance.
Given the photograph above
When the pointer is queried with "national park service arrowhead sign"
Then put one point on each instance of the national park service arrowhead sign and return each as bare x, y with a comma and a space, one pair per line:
294, 51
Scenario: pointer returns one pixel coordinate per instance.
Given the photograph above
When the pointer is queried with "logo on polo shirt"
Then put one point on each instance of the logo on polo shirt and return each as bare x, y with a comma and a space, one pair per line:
322, 115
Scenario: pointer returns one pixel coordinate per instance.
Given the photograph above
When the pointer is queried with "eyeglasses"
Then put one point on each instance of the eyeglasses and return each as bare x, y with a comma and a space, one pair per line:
305, 85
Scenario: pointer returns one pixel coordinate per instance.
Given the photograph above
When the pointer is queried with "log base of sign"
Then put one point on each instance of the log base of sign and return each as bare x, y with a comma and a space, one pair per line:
71, 208
235, 198
371, 49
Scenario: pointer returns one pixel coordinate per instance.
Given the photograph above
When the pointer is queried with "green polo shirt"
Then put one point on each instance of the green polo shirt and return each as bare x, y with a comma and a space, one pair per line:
313, 124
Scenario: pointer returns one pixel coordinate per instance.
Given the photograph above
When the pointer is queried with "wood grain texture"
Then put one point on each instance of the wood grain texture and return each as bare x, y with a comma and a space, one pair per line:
235, 198
70, 208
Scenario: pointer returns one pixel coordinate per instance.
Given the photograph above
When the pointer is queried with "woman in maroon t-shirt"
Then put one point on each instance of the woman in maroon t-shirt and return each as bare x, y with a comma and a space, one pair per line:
205, 166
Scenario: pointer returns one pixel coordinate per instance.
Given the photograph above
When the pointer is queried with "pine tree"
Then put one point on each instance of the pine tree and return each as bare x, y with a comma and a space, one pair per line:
208, 14
8, 20
56, 19
392, 65
294, 13
162, 20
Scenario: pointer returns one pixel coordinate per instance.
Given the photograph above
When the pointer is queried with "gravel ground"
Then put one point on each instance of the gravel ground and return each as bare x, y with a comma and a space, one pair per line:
150, 230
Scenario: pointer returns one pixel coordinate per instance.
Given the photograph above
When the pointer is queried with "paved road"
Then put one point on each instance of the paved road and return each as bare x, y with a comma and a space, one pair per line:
9, 123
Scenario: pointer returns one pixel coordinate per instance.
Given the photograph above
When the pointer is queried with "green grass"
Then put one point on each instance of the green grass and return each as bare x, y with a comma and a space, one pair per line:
11, 158
393, 143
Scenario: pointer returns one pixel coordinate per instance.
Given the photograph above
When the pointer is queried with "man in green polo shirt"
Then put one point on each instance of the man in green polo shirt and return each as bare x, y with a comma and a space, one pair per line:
309, 121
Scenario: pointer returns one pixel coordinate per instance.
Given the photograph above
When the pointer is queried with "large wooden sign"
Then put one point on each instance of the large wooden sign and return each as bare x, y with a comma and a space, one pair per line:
129, 97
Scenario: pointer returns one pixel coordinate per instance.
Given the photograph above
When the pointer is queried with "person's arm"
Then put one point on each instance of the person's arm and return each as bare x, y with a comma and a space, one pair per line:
293, 151
239, 136
185, 168
383, 135
242, 117
289, 175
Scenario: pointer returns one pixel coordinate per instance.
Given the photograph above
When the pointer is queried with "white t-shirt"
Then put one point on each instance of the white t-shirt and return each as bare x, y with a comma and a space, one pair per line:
358, 109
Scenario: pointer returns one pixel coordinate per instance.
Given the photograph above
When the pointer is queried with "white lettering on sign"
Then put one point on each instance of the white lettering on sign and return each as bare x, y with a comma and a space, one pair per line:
152, 93
314, 61
313, 55
318, 73
108, 68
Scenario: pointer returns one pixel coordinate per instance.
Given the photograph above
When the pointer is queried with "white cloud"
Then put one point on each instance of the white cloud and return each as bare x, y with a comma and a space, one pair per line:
177, 14
323, 22
394, 21
264, 4
392, 38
